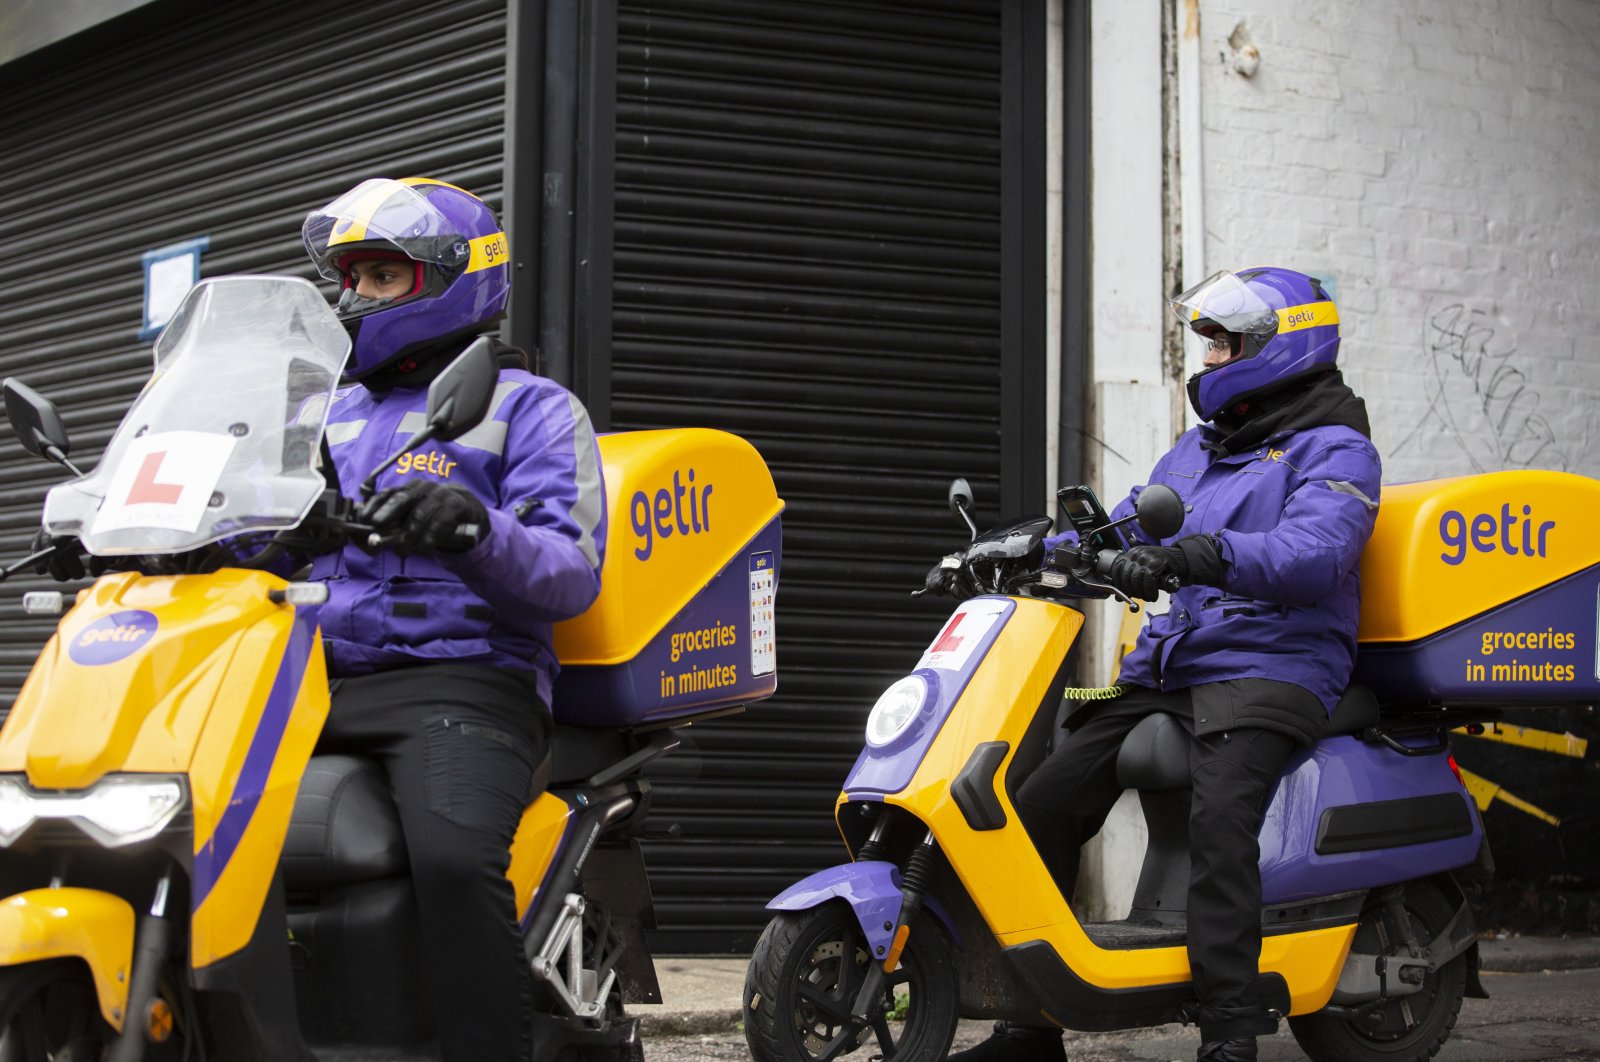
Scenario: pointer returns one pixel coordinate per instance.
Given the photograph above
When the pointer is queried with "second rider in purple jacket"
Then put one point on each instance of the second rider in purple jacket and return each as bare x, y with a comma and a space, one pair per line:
439, 649
1280, 488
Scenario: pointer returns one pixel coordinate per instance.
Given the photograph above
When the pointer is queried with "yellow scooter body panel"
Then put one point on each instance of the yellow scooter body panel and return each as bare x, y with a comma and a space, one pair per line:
94, 926
198, 675
681, 504
538, 839
1001, 869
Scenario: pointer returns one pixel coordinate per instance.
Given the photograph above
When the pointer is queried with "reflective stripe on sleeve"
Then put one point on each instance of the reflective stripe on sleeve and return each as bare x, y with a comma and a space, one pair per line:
1339, 486
490, 434
590, 504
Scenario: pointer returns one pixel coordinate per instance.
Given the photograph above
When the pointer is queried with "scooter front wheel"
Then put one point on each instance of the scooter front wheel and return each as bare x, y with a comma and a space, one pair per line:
806, 972
49, 1012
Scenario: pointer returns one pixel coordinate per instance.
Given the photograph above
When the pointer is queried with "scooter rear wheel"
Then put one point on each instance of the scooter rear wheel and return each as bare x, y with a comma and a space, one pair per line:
805, 974
49, 1011
1408, 1028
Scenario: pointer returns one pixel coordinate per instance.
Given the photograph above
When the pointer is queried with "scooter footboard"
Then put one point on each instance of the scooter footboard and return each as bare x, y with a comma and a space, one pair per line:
87, 924
871, 888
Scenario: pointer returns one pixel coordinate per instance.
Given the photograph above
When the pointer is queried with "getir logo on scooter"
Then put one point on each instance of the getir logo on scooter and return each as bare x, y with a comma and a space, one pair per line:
112, 638
1487, 534
682, 509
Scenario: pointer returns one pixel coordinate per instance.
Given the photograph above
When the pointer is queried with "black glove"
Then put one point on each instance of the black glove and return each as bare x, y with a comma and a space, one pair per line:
939, 580
1202, 560
1141, 570
65, 565
427, 517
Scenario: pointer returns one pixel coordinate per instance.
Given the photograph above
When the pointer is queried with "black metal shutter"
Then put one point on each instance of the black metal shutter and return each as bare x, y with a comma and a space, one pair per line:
808, 253
221, 120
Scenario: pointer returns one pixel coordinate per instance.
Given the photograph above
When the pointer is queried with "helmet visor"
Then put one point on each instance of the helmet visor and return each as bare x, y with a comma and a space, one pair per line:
1226, 300
382, 211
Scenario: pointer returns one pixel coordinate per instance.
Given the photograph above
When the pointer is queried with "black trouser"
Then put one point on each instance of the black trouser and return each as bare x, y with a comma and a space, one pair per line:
460, 744
1065, 802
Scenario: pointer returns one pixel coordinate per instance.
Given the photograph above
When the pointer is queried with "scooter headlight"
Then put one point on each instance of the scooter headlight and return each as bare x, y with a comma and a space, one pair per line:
895, 711
116, 811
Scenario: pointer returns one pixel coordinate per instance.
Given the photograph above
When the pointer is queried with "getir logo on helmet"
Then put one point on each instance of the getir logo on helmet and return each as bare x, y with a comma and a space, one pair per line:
1312, 315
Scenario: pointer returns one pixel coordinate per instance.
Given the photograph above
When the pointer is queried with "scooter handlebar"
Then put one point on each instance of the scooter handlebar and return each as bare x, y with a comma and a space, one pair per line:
470, 533
1107, 557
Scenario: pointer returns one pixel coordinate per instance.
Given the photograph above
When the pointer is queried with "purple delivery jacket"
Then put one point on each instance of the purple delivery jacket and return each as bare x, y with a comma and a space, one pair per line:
1292, 514
534, 464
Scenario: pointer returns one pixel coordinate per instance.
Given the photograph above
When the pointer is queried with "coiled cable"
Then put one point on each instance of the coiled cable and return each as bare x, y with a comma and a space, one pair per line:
1093, 693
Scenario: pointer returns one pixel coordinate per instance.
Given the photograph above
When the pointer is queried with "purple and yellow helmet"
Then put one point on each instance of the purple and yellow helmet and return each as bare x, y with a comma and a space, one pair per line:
459, 251
1280, 325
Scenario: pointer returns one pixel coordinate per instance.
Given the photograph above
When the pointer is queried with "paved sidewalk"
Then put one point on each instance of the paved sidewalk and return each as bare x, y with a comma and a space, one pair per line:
699, 995
703, 995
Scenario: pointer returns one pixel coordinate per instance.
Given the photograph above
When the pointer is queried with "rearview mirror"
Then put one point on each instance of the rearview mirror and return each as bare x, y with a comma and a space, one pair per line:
458, 398
960, 496
959, 499
1160, 511
37, 423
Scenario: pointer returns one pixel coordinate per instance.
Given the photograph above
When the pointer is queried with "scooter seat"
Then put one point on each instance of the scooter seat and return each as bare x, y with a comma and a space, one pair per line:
344, 827
579, 752
1154, 755
1356, 710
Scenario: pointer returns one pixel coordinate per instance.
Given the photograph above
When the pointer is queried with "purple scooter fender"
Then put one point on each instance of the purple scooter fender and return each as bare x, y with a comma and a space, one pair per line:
871, 888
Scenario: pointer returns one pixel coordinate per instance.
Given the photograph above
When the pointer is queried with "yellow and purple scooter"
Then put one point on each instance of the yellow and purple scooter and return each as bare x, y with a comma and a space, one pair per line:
180, 878
946, 909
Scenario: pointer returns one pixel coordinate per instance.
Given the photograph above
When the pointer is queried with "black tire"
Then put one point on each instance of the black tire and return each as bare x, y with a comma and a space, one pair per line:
804, 976
49, 1011
1409, 1028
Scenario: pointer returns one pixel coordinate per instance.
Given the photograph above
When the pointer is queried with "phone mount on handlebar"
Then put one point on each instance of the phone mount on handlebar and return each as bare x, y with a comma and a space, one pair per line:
1159, 511
1088, 518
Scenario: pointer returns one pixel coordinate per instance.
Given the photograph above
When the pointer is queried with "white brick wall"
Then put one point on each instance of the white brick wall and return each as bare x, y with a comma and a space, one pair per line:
1439, 162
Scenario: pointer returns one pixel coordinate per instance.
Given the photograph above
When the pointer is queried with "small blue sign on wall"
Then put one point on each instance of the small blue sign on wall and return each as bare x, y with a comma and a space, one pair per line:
169, 273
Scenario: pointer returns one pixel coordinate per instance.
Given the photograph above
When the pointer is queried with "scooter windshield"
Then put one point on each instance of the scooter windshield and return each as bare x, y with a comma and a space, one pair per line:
225, 437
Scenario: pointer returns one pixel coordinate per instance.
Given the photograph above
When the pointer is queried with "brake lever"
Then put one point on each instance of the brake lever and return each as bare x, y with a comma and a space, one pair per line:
1132, 603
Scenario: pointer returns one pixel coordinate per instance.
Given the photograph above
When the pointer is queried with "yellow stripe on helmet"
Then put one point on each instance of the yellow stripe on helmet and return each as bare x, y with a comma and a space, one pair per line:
488, 251
1309, 315
417, 182
354, 228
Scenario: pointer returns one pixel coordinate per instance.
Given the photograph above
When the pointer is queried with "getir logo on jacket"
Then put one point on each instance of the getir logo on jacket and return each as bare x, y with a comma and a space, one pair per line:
112, 638
433, 462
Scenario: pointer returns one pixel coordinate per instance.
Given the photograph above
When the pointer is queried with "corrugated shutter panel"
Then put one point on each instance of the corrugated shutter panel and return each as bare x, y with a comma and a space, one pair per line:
807, 253
213, 124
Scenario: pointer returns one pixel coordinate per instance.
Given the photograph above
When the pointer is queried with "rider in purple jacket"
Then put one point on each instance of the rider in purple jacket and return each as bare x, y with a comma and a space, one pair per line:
1280, 488
439, 647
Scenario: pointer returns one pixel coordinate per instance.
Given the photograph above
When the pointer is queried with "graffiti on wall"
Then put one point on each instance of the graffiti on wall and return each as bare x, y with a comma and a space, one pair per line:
1478, 392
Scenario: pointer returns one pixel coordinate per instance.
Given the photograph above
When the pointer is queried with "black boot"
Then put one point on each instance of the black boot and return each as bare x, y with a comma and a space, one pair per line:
1016, 1043
1228, 1034
1242, 1049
